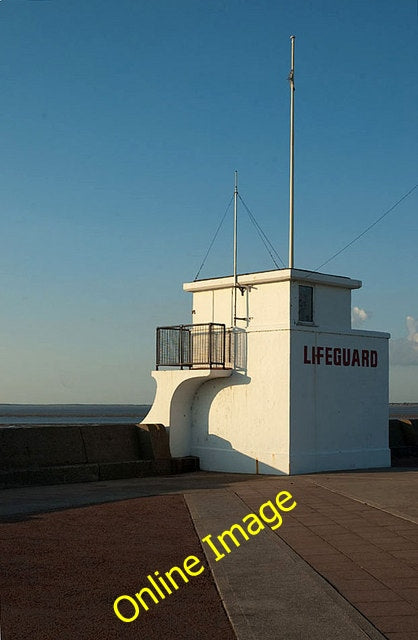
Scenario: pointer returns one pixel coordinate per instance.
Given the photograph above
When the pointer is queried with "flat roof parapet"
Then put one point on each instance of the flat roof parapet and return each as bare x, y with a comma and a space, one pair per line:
277, 275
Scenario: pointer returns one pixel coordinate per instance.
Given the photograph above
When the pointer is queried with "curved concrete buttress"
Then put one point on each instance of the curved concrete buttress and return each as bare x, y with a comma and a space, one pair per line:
172, 405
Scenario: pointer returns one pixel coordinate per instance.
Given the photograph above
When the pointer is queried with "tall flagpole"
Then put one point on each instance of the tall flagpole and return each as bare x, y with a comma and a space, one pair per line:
292, 149
235, 246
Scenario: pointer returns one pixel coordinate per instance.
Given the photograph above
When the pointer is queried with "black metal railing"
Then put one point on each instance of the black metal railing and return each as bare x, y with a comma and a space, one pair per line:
192, 346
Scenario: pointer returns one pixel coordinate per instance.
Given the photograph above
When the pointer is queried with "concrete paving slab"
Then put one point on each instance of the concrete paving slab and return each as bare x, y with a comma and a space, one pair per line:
395, 491
268, 592
363, 558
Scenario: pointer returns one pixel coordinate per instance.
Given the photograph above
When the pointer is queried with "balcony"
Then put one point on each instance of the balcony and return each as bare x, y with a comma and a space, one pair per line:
194, 346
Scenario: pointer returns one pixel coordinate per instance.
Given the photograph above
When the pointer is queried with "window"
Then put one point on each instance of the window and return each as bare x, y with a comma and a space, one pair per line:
305, 303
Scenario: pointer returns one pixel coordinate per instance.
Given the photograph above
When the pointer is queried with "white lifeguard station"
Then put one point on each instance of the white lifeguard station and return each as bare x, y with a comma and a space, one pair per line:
291, 388
269, 377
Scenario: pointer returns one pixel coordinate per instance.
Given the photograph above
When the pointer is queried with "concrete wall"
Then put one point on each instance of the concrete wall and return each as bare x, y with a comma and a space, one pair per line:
173, 404
56, 454
332, 306
241, 423
339, 414
25, 447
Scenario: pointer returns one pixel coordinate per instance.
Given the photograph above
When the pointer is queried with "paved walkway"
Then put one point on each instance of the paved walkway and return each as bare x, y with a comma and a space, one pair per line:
343, 565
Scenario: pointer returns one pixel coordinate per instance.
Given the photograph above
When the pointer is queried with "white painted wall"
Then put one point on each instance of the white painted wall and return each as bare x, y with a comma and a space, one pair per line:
339, 415
241, 424
173, 403
332, 306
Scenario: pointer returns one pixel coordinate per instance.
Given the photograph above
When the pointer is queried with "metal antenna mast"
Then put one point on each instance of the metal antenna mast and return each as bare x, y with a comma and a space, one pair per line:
235, 246
292, 148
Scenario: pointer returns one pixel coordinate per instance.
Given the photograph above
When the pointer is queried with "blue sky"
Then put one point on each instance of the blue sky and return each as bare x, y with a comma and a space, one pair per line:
121, 125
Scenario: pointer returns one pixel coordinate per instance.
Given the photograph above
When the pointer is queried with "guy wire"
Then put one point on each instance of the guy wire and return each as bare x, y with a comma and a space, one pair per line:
213, 239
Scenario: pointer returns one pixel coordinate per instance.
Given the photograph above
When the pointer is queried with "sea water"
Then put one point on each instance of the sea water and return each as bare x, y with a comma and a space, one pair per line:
67, 414
70, 414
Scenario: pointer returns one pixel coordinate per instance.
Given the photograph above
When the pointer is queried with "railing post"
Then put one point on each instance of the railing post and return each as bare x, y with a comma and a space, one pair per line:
223, 346
210, 345
157, 349
181, 346
190, 348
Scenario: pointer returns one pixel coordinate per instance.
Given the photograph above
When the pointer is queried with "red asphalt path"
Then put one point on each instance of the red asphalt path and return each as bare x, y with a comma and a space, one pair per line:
62, 571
